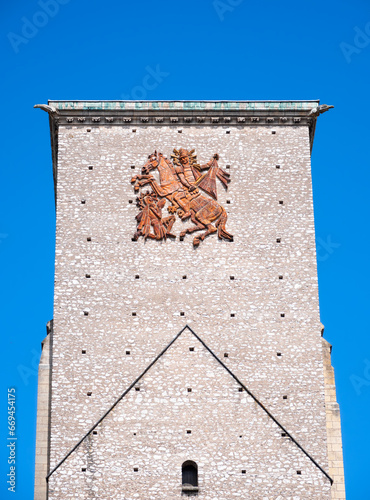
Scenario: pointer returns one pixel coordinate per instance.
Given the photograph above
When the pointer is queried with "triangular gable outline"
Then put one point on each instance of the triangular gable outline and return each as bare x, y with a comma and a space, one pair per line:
230, 373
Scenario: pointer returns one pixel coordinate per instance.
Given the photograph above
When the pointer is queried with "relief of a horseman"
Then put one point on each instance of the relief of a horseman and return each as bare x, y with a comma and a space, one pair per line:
179, 184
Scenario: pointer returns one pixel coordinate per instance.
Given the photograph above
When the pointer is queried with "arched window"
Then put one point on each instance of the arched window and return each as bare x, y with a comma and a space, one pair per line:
189, 476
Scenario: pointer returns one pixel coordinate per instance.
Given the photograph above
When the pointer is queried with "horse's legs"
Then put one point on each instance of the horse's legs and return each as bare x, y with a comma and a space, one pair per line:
198, 225
206, 216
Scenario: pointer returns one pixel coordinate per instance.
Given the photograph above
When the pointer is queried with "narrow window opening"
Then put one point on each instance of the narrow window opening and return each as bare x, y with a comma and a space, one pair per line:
83, 351
228, 202
179, 131
83, 469
136, 469
280, 277
240, 389
137, 276
134, 313
232, 315
86, 313
232, 277
188, 431
189, 473
184, 277
273, 132
132, 166
285, 397
130, 201
191, 349
244, 471
137, 388
88, 130
95, 433
182, 313
88, 238
228, 131
281, 202
282, 315
83, 202
128, 353
277, 166
278, 354
189, 389
134, 130
283, 434
299, 472
91, 167
226, 355
278, 240
87, 276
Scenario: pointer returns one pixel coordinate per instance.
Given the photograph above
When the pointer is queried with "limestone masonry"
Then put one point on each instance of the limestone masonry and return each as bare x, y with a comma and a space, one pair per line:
175, 370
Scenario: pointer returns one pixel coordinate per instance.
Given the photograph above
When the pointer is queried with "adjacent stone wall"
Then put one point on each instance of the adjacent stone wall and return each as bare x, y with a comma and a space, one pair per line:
43, 416
268, 327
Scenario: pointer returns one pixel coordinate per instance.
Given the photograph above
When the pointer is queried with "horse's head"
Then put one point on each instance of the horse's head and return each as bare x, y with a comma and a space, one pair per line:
152, 163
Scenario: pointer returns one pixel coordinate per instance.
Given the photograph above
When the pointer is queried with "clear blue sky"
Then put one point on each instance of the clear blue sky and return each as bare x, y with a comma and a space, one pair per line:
229, 49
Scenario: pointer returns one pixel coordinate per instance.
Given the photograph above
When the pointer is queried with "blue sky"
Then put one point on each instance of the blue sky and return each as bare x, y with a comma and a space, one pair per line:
199, 49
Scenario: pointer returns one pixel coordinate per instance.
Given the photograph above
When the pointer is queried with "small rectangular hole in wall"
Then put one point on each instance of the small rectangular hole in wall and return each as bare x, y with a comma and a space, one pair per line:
83, 351
134, 130
240, 389
191, 349
277, 166
89, 393
136, 469
282, 315
133, 314
133, 239
240, 436
299, 472
278, 240
87, 276
285, 397
281, 202
137, 276
283, 434
182, 314
134, 433
184, 277
91, 167
137, 388
278, 354
130, 201
189, 389
83, 469
244, 471
83, 202
179, 131
88, 238
280, 276
132, 166
128, 353
273, 132
227, 166
232, 277
226, 355
232, 315
181, 238
228, 202
95, 433
86, 313
88, 130
228, 131
188, 432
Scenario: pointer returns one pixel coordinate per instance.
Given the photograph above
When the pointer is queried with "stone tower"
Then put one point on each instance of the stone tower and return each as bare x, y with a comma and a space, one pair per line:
186, 355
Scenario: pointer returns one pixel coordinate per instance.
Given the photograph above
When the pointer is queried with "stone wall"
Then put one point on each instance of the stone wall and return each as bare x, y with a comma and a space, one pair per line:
253, 301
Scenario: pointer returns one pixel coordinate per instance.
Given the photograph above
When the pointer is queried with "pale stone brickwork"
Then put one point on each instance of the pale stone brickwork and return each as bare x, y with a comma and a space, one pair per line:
95, 315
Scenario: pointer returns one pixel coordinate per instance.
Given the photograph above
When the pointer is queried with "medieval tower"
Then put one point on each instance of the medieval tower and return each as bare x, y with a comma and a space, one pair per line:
185, 356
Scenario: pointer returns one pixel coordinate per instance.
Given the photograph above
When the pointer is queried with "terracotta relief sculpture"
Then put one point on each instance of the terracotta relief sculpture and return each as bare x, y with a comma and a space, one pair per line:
180, 183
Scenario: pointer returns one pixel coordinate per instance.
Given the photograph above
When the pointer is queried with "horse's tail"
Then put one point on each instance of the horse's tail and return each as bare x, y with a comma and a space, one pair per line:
220, 224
